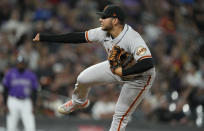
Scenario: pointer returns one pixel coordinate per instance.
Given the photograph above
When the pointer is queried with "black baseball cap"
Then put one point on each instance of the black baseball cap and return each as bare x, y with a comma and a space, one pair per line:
112, 11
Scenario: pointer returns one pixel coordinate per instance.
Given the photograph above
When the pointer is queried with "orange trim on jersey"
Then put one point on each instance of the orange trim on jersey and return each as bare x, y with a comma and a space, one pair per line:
133, 103
87, 38
143, 57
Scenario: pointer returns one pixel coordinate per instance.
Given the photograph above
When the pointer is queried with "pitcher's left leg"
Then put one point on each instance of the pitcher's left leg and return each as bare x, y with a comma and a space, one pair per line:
129, 99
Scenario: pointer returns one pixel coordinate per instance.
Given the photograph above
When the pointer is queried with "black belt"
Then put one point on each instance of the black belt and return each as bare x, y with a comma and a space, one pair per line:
19, 97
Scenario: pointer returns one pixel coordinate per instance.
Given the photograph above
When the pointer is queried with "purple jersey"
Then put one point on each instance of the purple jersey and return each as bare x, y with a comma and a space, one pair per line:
20, 84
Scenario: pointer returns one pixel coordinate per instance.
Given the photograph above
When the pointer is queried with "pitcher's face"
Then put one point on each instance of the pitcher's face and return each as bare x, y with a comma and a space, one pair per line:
106, 23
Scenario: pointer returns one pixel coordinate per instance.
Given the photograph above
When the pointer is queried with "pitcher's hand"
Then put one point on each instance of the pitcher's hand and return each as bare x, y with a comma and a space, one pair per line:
37, 38
118, 71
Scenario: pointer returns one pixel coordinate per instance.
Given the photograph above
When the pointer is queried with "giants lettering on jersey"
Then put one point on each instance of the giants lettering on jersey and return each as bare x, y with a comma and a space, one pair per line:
141, 50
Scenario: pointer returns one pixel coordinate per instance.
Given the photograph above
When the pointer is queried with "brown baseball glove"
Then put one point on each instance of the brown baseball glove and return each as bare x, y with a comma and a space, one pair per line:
118, 57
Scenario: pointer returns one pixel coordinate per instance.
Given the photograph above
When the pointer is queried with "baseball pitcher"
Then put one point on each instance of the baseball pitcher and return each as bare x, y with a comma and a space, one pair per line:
129, 62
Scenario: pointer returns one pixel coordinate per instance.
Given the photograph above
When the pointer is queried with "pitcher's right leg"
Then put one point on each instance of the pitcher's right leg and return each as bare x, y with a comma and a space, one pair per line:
96, 74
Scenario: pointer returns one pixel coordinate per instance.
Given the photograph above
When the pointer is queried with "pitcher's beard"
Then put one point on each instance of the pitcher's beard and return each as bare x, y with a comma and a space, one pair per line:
107, 28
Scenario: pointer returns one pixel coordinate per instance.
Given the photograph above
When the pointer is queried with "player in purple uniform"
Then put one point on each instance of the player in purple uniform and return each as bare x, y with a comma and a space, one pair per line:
20, 94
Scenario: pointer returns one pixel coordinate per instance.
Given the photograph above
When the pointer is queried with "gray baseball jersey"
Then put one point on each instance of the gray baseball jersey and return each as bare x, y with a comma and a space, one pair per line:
133, 90
129, 40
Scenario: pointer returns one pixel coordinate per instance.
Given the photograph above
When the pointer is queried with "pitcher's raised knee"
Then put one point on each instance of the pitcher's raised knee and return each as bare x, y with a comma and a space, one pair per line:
83, 80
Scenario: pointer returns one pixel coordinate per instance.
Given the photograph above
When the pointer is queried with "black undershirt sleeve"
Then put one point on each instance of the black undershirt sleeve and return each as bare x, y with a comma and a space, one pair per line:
77, 37
139, 67
5, 94
34, 97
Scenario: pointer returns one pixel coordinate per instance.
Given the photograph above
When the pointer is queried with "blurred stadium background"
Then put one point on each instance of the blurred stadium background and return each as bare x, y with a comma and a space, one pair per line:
173, 29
